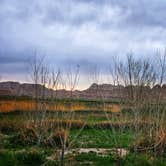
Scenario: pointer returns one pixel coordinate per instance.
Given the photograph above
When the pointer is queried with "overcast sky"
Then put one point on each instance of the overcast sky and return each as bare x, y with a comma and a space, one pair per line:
71, 32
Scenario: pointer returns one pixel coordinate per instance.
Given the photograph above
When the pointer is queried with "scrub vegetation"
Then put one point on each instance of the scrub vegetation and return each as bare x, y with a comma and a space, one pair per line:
85, 132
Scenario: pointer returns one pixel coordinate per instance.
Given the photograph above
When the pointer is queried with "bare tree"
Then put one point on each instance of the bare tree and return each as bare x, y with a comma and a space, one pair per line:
65, 122
139, 76
40, 77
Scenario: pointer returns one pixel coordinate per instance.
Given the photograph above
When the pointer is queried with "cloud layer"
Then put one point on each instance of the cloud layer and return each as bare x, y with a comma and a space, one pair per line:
85, 32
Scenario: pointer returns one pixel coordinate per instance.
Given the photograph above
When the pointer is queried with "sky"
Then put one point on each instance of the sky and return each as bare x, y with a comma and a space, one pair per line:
68, 33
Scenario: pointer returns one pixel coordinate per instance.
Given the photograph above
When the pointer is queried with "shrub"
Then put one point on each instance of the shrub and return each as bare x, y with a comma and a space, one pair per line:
7, 126
155, 144
57, 139
27, 136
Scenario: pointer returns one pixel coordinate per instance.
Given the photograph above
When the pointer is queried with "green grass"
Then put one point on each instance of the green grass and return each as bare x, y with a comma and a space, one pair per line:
93, 159
97, 138
15, 154
110, 160
22, 158
37, 157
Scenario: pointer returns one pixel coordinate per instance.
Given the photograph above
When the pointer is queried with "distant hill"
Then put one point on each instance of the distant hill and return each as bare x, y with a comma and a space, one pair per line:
95, 91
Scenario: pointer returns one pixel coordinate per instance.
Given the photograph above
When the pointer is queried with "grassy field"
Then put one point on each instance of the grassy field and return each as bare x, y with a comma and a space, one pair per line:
95, 138
11, 104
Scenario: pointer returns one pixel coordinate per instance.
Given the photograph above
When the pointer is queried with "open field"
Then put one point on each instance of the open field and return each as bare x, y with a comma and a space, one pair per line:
10, 105
96, 137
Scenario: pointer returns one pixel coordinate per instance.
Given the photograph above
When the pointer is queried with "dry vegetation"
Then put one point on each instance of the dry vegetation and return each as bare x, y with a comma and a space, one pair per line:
138, 128
30, 105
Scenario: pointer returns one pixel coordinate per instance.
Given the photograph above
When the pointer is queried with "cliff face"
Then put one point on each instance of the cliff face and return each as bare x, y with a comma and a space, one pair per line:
95, 91
104, 91
17, 89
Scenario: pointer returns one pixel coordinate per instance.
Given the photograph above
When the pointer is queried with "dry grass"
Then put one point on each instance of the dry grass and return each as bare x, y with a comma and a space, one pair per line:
7, 125
27, 136
155, 143
29, 105
57, 138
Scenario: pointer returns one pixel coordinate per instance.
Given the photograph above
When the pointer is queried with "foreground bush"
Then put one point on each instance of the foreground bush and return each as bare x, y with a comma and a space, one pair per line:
57, 139
155, 144
26, 136
7, 126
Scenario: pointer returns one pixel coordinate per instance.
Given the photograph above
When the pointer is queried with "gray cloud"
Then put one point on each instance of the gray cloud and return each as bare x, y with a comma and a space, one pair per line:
84, 32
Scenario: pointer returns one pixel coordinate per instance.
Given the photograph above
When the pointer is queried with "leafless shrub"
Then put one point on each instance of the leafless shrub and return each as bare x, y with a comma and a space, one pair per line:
58, 138
26, 136
7, 125
140, 77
